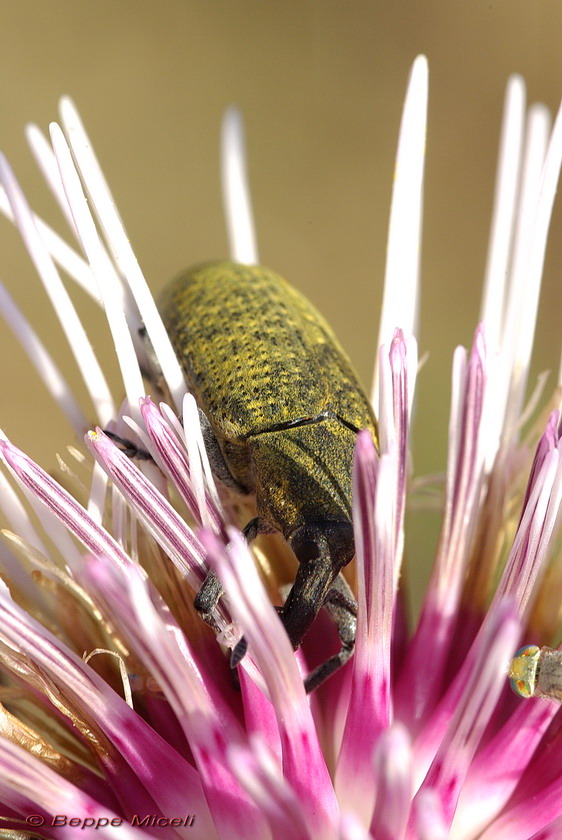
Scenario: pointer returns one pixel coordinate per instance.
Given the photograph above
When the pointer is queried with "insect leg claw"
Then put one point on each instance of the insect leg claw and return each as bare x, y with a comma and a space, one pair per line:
342, 607
238, 652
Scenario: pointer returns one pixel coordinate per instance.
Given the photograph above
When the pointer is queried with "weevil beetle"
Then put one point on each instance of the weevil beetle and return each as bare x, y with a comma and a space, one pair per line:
281, 407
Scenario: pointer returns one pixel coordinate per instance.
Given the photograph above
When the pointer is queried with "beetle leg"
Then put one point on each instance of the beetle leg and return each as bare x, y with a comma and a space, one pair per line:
207, 598
340, 597
257, 526
204, 602
128, 448
342, 606
253, 528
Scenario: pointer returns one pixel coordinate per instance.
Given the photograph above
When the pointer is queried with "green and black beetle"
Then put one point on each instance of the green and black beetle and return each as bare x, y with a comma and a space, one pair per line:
281, 407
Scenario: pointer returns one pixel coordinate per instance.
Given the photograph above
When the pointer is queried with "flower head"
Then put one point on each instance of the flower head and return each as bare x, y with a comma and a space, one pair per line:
119, 714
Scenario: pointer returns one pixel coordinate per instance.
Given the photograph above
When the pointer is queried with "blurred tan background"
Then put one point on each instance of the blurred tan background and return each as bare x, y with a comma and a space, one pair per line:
321, 85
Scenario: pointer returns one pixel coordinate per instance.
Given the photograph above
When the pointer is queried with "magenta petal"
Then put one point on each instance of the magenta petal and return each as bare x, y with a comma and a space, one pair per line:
259, 714
418, 689
351, 828
167, 527
529, 817
548, 441
538, 519
428, 822
142, 755
500, 765
174, 461
483, 680
370, 705
207, 721
552, 831
530, 546
46, 490
304, 765
30, 787
261, 775
394, 784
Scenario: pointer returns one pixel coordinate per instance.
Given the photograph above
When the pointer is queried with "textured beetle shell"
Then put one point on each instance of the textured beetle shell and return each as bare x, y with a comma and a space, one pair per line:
259, 359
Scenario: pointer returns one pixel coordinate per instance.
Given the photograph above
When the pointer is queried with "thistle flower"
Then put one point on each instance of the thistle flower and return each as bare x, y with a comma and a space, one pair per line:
118, 714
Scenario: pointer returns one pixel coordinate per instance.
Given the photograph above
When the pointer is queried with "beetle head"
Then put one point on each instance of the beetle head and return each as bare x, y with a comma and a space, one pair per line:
329, 542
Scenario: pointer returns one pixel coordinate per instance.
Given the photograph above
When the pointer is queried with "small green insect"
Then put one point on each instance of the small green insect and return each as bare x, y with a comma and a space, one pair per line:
537, 672
281, 407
